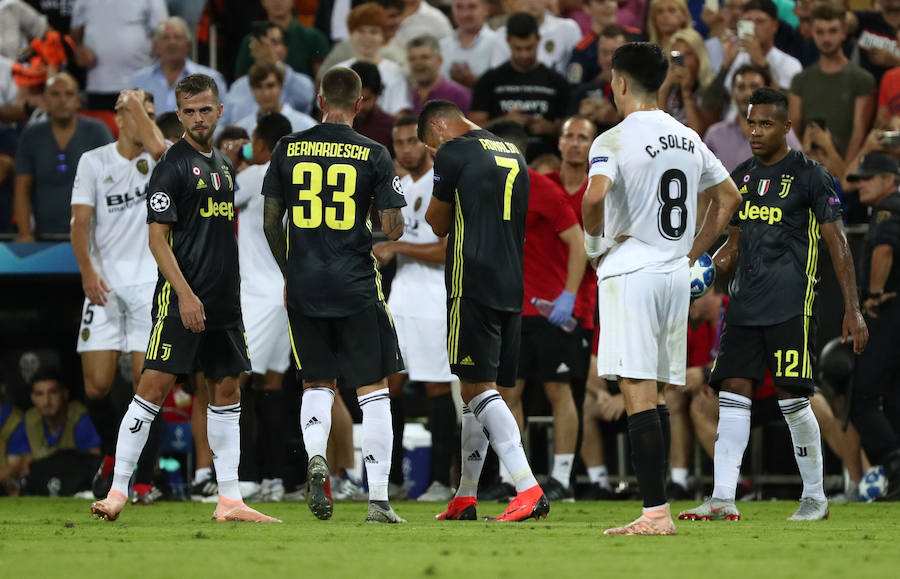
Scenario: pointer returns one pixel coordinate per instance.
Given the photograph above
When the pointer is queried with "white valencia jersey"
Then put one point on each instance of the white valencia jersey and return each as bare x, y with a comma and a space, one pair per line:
117, 190
261, 278
418, 288
657, 167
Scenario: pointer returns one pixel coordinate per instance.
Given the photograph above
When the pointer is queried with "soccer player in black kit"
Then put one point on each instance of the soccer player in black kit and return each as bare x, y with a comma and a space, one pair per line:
480, 200
773, 241
328, 177
196, 306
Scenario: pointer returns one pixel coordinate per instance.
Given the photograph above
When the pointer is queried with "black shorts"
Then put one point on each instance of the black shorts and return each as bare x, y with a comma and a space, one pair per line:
217, 352
547, 354
483, 343
359, 349
785, 348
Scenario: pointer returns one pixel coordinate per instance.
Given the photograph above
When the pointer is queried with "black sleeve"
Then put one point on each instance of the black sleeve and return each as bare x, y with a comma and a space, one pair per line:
823, 198
738, 177
562, 97
446, 172
272, 181
164, 192
483, 93
388, 191
885, 229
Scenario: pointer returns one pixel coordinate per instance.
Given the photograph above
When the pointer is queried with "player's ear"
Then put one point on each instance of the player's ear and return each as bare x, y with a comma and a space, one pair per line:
221, 108
321, 102
787, 126
357, 105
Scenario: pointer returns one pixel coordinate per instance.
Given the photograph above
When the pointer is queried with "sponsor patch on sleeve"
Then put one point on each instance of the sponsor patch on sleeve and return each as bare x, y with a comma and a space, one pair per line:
603, 159
437, 178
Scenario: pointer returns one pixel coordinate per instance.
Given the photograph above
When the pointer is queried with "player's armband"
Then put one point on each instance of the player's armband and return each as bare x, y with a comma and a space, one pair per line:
596, 245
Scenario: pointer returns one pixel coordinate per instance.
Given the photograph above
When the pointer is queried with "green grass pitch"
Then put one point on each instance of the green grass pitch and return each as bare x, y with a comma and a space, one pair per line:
51, 538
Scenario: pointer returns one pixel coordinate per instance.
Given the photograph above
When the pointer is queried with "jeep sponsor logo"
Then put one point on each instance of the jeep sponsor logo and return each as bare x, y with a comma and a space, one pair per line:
770, 215
220, 209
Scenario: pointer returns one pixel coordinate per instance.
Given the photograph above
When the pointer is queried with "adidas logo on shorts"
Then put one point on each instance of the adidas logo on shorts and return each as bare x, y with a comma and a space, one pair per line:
370, 459
475, 456
312, 422
467, 361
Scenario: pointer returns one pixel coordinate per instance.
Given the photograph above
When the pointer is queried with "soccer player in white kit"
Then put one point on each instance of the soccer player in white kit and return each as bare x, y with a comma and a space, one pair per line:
118, 274
262, 303
640, 211
418, 304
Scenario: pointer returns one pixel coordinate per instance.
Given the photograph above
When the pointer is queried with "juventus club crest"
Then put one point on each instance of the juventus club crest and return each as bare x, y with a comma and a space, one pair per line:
216, 181
763, 187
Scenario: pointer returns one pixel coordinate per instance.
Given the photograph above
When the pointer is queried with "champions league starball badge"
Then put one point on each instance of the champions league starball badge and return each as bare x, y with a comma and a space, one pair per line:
159, 202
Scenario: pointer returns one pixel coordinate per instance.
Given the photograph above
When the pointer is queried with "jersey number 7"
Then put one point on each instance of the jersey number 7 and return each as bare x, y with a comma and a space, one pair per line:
309, 177
513, 166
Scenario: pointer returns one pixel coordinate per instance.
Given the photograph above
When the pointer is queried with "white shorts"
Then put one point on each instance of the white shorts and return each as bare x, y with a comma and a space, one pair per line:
643, 326
266, 325
122, 325
423, 345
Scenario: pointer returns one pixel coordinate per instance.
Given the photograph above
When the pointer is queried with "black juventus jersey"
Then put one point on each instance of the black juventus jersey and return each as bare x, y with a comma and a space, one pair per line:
328, 177
781, 208
884, 229
195, 193
486, 180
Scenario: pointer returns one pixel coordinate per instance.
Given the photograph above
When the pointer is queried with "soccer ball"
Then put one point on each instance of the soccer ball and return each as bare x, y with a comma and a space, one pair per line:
703, 275
872, 484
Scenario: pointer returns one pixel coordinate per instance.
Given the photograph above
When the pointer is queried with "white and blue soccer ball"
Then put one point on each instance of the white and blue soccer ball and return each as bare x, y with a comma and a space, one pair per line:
703, 276
872, 484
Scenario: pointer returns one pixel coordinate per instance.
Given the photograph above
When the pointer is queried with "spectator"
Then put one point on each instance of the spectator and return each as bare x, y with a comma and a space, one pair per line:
818, 144
298, 92
188, 10
729, 138
876, 35
391, 49
47, 157
420, 18
889, 96
665, 18
632, 14
797, 41
722, 30
594, 99
684, 93
306, 47
171, 127
371, 121
331, 18
583, 65
366, 23
113, 40
230, 141
54, 423
835, 90
267, 83
523, 89
759, 49
171, 44
428, 84
19, 23
58, 12
574, 10
558, 36
10, 418
467, 51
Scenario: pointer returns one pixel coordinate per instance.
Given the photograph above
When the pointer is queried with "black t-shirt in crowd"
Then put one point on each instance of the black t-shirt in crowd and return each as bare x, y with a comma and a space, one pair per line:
195, 193
874, 30
884, 229
328, 177
781, 208
486, 180
539, 92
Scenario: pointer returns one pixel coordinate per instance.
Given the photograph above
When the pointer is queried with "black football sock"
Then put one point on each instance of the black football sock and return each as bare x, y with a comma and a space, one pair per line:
106, 422
648, 456
271, 403
663, 411
442, 424
398, 422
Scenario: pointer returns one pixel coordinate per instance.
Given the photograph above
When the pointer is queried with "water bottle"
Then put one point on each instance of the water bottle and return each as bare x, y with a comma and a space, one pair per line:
544, 307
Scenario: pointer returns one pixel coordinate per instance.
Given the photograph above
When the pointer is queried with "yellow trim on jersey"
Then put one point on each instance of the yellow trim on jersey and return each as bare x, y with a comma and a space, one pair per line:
459, 228
163, 310
453, 332
293, 347
154, 338
806, 370
812, 265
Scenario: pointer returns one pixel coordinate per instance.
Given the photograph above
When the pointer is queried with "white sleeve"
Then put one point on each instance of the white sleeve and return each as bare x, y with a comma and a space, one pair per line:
243, 188
79, 14
602, 158
713, 171
395, 97
84, 187
157, 12
501, 52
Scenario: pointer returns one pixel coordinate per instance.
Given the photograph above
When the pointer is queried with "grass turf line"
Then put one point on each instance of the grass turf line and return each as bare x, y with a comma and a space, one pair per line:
58, 538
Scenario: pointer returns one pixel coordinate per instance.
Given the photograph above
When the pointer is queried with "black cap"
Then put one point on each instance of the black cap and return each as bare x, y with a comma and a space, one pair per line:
767, 6
875, 163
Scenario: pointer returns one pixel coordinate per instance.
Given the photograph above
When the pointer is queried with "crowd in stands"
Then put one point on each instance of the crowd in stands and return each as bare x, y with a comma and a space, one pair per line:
534, 62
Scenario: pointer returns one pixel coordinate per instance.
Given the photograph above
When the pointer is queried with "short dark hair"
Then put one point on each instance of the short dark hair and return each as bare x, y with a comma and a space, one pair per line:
521, 25
437, 109
271, 127
47, 372
195, 84
613, 31
340, 88
170, 126
368, 75
260, 71
643, 62
769, 96
406, 120
748, 68
767, 6
512, 132
828, 12
231, 133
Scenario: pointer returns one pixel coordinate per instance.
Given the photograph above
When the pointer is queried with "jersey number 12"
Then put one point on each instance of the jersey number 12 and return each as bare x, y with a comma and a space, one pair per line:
673, 208
309, 177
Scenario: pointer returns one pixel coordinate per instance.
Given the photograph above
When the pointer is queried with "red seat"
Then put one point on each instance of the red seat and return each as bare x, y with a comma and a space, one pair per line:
108, 117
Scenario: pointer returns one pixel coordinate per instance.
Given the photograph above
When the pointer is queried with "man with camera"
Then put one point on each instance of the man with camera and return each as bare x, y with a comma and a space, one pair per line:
756, 38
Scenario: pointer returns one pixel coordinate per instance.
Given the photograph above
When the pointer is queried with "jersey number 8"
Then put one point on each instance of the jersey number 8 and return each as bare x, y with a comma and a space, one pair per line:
672, 198
309, 177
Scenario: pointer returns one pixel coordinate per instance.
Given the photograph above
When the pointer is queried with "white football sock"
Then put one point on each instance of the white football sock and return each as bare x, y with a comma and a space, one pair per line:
599, 475
201, 474
133, 432
506, 476
731, 441
315, 420
503, 432
223, 430
562, 468
378, 440
679, 477
807, 441
474, 449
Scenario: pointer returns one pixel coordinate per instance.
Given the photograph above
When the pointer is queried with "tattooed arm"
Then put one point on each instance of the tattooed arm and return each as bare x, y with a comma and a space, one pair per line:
391, 223
273, 225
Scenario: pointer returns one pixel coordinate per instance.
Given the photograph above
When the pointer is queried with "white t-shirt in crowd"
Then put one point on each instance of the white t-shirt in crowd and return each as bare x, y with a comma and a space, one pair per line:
261, 278
418, 287
299, 121
426, 20
657, 167
117, 190
395, 94
782, 65
558, 36
477, 56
